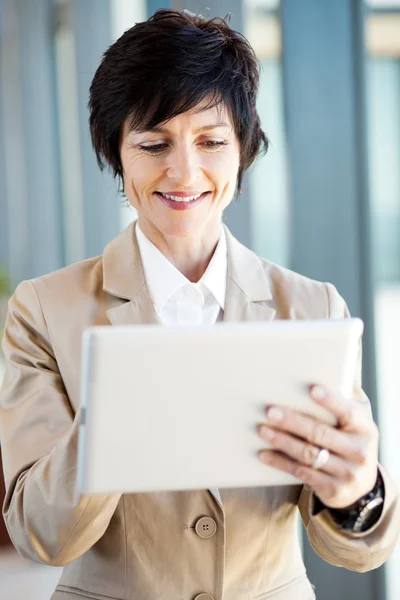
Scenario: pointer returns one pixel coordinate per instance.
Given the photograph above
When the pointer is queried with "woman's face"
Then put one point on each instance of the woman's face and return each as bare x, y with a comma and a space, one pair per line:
182, 175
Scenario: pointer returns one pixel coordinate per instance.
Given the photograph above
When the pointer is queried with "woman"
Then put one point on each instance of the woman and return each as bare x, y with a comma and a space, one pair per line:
173, 114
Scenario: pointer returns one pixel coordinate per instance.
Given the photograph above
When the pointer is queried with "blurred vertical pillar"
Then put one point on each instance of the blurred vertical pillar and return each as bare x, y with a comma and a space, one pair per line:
92, 28
4, 242
125, 14
237, 215
323, 70
29, 135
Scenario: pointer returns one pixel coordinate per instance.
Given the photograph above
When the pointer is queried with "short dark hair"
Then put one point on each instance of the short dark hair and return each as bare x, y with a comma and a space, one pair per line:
167, 65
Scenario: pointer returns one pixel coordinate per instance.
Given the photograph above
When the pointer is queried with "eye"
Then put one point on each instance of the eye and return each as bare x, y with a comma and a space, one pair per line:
156, 149
210, 145
213, 144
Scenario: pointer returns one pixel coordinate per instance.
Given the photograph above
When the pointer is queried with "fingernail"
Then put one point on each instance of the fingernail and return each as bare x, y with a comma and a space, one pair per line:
318, 393
275, 414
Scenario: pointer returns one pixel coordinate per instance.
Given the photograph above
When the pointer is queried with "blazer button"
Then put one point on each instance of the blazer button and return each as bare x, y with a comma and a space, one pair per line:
205, 528
204, 597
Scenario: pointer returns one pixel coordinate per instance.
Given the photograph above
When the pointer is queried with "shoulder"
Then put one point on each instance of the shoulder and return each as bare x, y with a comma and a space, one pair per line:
63, 287
298, 296
55, 308
85, 275
292, 295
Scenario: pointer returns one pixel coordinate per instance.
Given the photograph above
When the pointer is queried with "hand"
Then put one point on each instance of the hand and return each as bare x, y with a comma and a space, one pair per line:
296, 439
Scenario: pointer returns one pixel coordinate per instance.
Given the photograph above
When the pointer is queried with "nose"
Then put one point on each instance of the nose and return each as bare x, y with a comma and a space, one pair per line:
183, 166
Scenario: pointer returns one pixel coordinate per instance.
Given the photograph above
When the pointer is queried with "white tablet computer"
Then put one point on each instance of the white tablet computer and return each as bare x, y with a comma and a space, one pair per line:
178, 408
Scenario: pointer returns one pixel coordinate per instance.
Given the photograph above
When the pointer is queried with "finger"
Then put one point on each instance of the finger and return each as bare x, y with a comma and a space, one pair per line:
349, 414
317, 480
305, 453
346, 445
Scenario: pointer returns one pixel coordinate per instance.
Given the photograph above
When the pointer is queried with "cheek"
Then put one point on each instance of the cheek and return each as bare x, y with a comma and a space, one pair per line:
139, 175
225, 171
224, 168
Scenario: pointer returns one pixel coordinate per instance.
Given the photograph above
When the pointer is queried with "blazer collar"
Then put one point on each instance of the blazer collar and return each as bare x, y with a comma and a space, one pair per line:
123, 274
123, 277
248, 293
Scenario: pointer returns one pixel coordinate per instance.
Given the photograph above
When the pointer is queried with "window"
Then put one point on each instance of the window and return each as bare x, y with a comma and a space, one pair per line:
383, 103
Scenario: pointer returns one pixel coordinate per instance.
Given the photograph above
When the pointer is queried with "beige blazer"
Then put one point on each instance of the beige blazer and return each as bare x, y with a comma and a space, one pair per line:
145, 546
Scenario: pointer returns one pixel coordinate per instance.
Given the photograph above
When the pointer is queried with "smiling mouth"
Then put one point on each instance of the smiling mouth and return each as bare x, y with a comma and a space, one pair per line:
181, 198
181, 202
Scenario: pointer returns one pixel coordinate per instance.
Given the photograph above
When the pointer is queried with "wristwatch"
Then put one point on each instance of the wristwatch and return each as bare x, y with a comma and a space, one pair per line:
362, 515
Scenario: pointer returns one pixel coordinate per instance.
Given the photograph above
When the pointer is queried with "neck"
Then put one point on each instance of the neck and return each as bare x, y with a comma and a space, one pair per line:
190, 255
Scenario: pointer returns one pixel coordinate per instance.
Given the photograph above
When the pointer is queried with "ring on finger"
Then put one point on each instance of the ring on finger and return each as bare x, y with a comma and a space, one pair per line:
321, 459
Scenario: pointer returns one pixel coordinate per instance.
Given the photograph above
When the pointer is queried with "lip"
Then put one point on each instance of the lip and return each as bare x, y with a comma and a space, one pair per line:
181, 205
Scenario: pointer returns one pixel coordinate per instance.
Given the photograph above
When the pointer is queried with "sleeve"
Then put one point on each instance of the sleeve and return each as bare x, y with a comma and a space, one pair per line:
46, 518
362, 551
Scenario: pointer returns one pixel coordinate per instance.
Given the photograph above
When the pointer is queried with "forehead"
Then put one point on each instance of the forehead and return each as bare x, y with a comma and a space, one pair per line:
204, 111
200, 116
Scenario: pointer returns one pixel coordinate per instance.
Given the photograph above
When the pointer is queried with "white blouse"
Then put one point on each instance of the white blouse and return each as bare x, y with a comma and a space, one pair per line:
177, 300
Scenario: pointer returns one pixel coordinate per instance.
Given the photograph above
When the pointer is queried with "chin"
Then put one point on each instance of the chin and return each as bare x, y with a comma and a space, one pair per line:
180, 225
180, 230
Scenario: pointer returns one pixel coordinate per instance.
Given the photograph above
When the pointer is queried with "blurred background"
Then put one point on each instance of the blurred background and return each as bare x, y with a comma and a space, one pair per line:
325, 201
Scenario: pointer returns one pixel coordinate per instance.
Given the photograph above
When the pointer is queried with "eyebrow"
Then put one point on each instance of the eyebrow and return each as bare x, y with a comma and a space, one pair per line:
159, 129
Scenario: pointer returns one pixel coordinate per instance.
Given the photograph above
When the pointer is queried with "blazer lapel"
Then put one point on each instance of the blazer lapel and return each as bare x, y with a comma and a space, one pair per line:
123, 278
138, 311
248, 293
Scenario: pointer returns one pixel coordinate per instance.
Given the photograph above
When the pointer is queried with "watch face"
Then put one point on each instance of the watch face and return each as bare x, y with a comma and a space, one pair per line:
363, 516
369, 515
